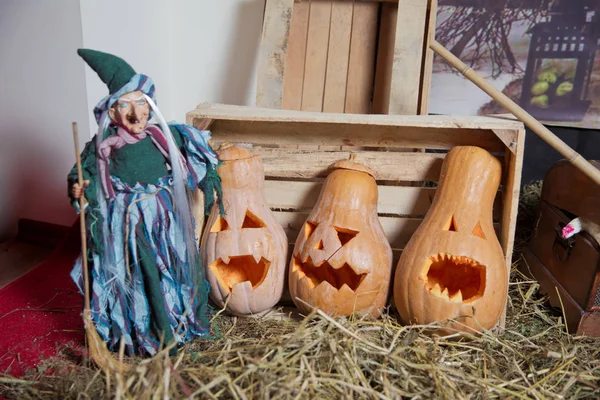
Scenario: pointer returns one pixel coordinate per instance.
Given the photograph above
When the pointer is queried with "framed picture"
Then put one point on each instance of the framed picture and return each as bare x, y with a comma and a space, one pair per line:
540, 53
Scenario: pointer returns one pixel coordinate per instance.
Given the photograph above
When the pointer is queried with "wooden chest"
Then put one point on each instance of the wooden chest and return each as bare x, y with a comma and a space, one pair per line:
298, 147
568, 270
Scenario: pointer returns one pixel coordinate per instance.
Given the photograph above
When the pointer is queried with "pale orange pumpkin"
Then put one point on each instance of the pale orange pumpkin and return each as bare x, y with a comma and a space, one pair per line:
245, 253
453, 267
342, 260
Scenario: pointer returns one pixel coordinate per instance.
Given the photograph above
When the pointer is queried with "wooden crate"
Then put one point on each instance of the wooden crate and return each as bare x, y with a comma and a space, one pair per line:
298, 147
347, 56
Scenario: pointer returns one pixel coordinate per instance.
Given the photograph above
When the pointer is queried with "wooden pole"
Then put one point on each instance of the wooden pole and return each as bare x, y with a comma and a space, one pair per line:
82, 230
574, 158
99, 353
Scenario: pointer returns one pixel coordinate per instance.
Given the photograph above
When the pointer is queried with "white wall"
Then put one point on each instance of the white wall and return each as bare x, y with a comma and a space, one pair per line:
195, 51
42, 90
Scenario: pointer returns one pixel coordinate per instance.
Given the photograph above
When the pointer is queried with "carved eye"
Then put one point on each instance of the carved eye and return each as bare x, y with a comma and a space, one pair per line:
309, 228
451, 225
477, 231
219, 225
345, 235
252, 221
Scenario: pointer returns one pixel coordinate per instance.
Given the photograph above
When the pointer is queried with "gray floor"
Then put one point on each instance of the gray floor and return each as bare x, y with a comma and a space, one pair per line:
17, 258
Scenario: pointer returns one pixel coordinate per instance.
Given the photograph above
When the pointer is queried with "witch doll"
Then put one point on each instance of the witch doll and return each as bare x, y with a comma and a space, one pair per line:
147, 286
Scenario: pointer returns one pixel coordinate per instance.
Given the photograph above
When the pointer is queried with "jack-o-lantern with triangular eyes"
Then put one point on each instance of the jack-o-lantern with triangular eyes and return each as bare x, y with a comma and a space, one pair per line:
342, 260
453, 267
245, 252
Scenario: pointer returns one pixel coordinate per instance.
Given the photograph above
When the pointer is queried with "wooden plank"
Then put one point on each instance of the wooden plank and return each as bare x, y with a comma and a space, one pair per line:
338, 57
408, 57
344, 134
293, 73
276, 25
393, 200
428, 58
385, 58
255, 114
397, 230
315, 65
387, 166
302, 196
510, 201
511, 189
361, 68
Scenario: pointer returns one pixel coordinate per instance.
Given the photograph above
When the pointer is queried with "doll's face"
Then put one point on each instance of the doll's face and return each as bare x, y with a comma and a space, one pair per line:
131, 112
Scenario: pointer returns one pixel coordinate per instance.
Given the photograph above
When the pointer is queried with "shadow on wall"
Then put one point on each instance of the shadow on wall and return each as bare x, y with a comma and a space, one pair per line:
10, 187
540, 156
29, 174
239, 81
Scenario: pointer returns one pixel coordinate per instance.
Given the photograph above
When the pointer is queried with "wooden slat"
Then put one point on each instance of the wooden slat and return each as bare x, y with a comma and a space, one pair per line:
510, 200
293, 75
276, 25
396, 200
408, 53
385, 58
255, 114
338, 57
361, 69
344, 134
315, 65
428, 58
302, 196
397, 230
387, 166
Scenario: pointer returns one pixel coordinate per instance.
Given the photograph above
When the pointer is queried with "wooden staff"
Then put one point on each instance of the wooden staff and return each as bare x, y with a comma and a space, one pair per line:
99, 353
574, 158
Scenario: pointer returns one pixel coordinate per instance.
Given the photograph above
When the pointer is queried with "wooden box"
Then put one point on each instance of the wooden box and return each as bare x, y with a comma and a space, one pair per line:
347, 56
298, 147
568, 270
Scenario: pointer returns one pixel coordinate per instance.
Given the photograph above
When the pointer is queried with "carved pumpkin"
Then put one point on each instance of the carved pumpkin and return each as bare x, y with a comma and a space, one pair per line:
453, 266
342, 260
245, 252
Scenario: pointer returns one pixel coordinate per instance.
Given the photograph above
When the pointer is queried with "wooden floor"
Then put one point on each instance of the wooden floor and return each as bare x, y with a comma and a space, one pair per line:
17, 258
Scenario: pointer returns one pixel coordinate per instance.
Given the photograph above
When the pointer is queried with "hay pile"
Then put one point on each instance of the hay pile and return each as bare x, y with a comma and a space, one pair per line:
285, 355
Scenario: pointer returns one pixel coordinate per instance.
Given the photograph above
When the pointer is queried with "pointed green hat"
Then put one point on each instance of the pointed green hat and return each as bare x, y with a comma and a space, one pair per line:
114, 71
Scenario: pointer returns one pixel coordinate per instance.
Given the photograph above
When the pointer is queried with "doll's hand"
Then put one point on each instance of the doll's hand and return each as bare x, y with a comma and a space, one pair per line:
76, 190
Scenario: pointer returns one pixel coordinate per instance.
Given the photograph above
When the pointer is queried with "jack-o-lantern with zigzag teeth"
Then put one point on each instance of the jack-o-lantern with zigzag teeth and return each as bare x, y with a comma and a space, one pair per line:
245, 252
342, 260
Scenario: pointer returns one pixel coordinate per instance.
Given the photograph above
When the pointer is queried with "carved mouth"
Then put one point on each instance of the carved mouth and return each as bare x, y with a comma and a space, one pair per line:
457, 279
336, 277
238, 269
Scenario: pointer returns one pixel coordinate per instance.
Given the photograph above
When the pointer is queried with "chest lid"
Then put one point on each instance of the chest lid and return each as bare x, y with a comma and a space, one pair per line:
567, 188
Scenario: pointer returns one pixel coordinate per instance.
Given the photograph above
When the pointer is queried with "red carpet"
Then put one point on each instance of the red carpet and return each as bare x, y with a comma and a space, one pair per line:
40, 313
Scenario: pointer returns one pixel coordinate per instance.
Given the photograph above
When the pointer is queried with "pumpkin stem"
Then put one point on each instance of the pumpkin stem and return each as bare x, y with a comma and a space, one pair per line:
224, 146
353, 165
